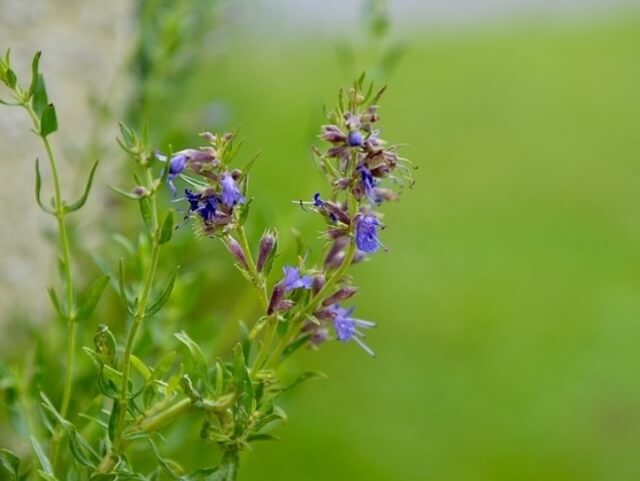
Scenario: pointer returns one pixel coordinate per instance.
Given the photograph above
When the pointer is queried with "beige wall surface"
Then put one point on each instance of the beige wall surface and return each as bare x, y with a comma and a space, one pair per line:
84, 43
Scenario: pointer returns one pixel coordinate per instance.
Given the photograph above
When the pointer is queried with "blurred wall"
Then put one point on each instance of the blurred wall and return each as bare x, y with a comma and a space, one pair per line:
83, 42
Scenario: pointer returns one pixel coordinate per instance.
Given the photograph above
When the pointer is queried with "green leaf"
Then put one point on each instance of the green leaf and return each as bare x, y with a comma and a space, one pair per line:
164, 296
122, 287
124, 193
263, 437
42, 457
10, 463
244, 339
105, 343
196, 354
90, 297
167, 228
305, 376
145, 212
294, 346
245, 386
128, 136
83, 199
48, 120
39, 188
11, 78
34, 74
56, 302
40, 98
113, 420
141, 367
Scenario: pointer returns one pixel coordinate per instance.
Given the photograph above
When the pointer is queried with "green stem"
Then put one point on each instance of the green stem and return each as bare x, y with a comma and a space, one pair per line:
136, 321
60, 213
258, 278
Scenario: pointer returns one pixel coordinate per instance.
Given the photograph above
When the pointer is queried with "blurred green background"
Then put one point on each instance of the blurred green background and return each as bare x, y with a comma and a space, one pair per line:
509, 302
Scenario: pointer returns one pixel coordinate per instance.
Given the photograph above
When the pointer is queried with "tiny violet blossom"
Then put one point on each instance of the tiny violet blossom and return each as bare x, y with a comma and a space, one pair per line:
231, 195
205, 207
293, 280
367, 233
368, 184
354, 138
346, 327
177, 164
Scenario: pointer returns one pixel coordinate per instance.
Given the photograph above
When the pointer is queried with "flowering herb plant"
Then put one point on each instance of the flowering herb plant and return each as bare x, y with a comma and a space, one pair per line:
234, 395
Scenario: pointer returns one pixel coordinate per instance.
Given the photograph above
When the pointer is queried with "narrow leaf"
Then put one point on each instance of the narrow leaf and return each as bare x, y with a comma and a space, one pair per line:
83, 199
42, 457
164, 296
167, 228
124, 193
196, 354
34, 73
10, 463
56, 302
39, 188
90, 297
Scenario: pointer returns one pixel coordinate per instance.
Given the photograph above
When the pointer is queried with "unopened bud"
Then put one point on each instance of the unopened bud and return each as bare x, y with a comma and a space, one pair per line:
318, 284
140, 191
266, 254
340, 295
237, 252
208, 136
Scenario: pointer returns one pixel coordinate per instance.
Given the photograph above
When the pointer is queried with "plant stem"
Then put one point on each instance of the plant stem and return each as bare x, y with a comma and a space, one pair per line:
258, 278
60, 213
137, 320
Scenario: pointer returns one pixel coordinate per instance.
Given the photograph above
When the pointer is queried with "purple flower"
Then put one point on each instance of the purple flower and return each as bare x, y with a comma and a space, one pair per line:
346, 327
205, 207
368, 184
354, 138
177, 164
231, 195
293, 280
367, 233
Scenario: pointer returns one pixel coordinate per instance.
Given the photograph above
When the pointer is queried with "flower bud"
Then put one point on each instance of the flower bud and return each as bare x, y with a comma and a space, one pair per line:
340, 295
237, 252
208, 136
318, 283
140, 191
266, 254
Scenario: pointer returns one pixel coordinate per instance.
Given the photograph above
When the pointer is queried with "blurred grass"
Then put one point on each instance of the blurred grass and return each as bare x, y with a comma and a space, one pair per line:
509, 303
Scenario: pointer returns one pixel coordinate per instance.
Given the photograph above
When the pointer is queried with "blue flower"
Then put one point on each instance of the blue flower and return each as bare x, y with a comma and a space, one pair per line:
346, 327
205, 207
193, 198
354, 138
293, 280
208, 207
317, 201
177, 164
368, 184
367, 233
231, 195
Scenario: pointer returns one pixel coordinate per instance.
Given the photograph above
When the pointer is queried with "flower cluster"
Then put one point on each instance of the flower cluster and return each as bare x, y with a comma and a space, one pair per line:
361, 169
216, 192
